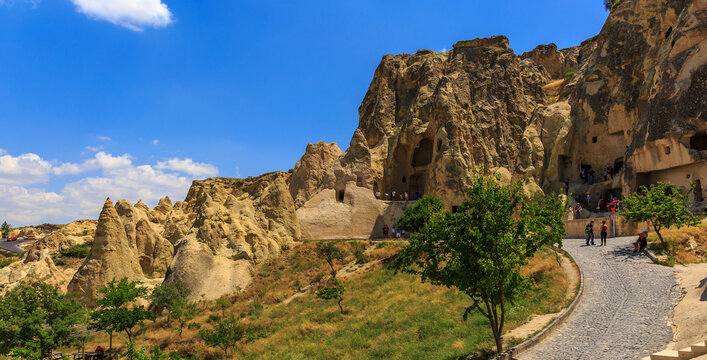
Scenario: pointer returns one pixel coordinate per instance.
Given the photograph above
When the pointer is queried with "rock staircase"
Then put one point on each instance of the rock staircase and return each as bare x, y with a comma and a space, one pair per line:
697, 351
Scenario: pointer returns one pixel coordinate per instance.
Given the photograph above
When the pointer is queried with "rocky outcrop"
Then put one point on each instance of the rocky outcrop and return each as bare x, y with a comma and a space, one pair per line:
42, 268
237, 223
316, 169
111, 256
557, 63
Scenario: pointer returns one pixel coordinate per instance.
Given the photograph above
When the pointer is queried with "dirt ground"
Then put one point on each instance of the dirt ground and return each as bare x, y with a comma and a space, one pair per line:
690, 317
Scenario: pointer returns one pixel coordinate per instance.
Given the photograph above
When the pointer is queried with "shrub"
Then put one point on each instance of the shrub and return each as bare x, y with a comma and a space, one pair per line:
76, 251
60, 261
569, 74
6, 262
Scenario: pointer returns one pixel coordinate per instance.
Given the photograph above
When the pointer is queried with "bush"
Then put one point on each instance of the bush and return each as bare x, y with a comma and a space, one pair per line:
569, 74
76, 251
213, 318
6, 262
60, 261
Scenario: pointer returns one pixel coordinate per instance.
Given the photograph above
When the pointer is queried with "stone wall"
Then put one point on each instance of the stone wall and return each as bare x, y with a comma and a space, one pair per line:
618, 226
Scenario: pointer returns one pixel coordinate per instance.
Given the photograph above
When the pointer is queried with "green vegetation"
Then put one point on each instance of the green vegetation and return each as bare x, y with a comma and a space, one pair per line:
76, 251
569, 74
7, 261
36, 319
117, 310
415, 217
395, 316
224, 335
663, 205
610, 5
5, 228
170, 297
481, 249
334, 290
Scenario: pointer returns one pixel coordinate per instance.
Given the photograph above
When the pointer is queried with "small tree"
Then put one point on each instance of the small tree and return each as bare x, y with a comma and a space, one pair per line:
335, 291
221, 304
480, 250
330, 252
5, 228
184, 311
609, 5
168, 296
663, 205
224, 335
416, 216
36, 319
117, 310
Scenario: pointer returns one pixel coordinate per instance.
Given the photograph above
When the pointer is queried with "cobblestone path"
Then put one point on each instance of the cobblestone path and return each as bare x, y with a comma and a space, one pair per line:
625, 309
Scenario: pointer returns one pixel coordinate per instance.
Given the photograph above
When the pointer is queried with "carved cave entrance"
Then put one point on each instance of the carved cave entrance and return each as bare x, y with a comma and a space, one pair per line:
409, 171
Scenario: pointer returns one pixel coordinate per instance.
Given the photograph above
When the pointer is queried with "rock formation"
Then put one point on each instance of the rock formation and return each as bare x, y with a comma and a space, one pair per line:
236, 223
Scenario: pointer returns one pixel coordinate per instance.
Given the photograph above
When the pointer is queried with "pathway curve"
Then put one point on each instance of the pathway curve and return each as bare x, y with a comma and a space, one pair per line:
625, 309
13, 246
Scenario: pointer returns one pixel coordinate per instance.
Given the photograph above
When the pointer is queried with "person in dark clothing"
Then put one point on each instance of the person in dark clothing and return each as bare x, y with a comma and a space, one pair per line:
642, 241
590, 232
385, 231
604, 229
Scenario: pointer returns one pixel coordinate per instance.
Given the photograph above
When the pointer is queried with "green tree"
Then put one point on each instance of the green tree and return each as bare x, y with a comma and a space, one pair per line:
480, 249
330, 252
167, 297
334, 291
663, 205
609, 5
415, 217
117, 309
5, 228
184, 311
224, 335
221, 304
36, 319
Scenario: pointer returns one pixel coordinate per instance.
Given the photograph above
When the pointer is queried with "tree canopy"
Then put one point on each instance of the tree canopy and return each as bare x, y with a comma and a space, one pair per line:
415, 216
35, 319
480, 249
663, 205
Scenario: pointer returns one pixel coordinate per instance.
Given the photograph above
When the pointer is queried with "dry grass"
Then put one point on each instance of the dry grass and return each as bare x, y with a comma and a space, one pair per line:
388, 315
688, 244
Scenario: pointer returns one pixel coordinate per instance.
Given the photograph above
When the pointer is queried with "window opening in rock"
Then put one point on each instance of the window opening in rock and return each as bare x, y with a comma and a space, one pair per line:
672, 44
618, 164
698, 191
359, 182
340, 196
423, 153
594, 139
667, 150
403, 179
667, 33
698, 142
585, 167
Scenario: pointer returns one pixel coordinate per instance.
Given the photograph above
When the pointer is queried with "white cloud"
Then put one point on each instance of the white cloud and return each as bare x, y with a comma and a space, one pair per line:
94, 148
188, 166
100, 161
155, 141
3, 151
132, 14
104, 138
23, 169
118, 178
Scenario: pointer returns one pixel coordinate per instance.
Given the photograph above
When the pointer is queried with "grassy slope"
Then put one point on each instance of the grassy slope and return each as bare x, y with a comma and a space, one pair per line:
679, 243
389, 315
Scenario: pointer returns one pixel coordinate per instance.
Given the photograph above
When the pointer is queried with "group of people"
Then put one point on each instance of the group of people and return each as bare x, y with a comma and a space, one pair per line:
639, 245
589, 176
610, 204
395, 196
393, 233
589, 231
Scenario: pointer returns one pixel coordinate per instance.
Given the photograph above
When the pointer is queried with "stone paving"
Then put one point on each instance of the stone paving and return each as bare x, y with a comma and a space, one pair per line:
625, 309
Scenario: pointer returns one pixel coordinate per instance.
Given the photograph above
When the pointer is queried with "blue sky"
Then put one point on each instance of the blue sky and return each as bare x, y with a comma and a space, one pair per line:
93, 92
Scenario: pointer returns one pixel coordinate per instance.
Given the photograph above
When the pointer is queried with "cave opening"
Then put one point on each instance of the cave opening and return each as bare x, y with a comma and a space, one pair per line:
423, 153
698, 142
340, 196
698, 191
667, 33
417, 185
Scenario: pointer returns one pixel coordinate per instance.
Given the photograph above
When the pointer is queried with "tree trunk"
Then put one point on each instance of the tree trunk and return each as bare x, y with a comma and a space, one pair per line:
110, 345
657, 231
340, 308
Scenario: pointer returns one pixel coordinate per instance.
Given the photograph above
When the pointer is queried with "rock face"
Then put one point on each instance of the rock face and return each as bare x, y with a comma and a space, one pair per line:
111, 256
236, 223
429, 119
42, 268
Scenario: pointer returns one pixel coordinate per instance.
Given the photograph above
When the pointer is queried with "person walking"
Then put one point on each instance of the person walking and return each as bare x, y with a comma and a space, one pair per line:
378, 195
393, 193
604, 230
406, 196
590, 232
385, 231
